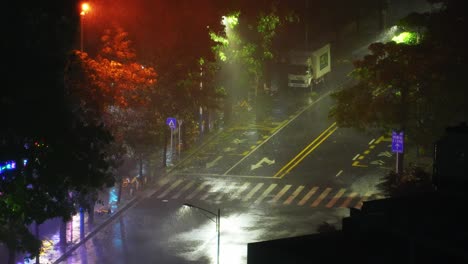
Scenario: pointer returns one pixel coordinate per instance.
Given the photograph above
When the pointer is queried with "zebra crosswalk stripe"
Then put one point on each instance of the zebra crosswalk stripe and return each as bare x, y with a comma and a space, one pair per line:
335, 198
266, 192
363, 199
184, 189
252, 192
294, 195
240, 191
321, 197
162, 183
348, 200
224, 191
281, 193
175, 184
197, 190
308, 195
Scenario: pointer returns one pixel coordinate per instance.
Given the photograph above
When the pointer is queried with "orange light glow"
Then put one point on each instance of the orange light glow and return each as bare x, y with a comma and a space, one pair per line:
84, 9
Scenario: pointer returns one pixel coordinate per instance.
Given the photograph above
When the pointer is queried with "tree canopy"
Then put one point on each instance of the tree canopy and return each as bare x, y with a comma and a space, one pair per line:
417, 87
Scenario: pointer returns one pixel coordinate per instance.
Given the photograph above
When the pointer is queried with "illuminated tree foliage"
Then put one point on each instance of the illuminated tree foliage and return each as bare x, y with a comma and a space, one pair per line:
113, 78
116, 90
418, 87
249, 46
244, 50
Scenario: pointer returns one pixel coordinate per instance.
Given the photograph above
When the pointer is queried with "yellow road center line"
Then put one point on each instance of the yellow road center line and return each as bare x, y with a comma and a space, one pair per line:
348, 200
175, 184
308, 152
308, 195
266, 192
280, 172
186, 187
252, 192
293, 117
379, 140
294, 195
321, 197
335, 198
281, 193
356, 164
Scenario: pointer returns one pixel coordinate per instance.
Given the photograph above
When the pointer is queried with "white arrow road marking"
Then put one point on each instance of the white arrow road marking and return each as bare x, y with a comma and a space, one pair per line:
260, 163
385, 154
211, 164
377, 162
238, 141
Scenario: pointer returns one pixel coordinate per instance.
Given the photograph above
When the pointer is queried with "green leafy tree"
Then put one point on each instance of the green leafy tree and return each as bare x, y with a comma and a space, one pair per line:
244, 51
416, 88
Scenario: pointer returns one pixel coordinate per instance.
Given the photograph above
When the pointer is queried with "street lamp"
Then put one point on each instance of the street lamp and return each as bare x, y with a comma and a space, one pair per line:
84, 10
217, 221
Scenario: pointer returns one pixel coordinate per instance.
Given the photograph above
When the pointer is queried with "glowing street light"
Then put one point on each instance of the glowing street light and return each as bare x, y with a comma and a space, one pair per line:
84, 10
216, 220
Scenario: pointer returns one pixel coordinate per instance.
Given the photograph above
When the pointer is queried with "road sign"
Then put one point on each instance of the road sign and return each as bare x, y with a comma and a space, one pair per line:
397, 142
171, 122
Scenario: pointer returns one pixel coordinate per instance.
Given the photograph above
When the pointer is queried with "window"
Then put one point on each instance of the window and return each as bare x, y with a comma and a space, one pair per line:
323, 60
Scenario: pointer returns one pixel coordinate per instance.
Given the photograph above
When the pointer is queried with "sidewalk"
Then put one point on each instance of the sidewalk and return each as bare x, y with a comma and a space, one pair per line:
78, 230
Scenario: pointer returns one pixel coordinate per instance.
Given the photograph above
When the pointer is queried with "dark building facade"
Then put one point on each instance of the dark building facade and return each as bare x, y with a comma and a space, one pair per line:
423, 228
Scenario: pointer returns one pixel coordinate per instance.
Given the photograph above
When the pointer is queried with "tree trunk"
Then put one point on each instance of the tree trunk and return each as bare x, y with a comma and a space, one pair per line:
82, 223
119, 192
37, 236
63, 232
11, 256
91, 212
165, 149
403, 119
206, 119
227, 109
141, 166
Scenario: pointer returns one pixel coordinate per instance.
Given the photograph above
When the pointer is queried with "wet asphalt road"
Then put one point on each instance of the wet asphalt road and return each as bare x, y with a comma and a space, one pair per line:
276, 178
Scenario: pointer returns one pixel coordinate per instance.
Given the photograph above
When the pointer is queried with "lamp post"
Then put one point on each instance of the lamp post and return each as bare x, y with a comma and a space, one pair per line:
201, 62
217, 220
84, 10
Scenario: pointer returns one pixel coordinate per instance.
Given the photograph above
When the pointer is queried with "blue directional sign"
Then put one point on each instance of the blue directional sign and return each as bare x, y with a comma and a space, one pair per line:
397, 142
171, 122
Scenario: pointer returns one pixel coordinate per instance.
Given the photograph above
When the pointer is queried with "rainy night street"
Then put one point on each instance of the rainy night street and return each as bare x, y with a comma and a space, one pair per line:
234, 132
274, 179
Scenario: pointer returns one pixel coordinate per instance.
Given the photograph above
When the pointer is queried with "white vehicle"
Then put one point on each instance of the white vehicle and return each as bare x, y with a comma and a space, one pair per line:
308, 68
